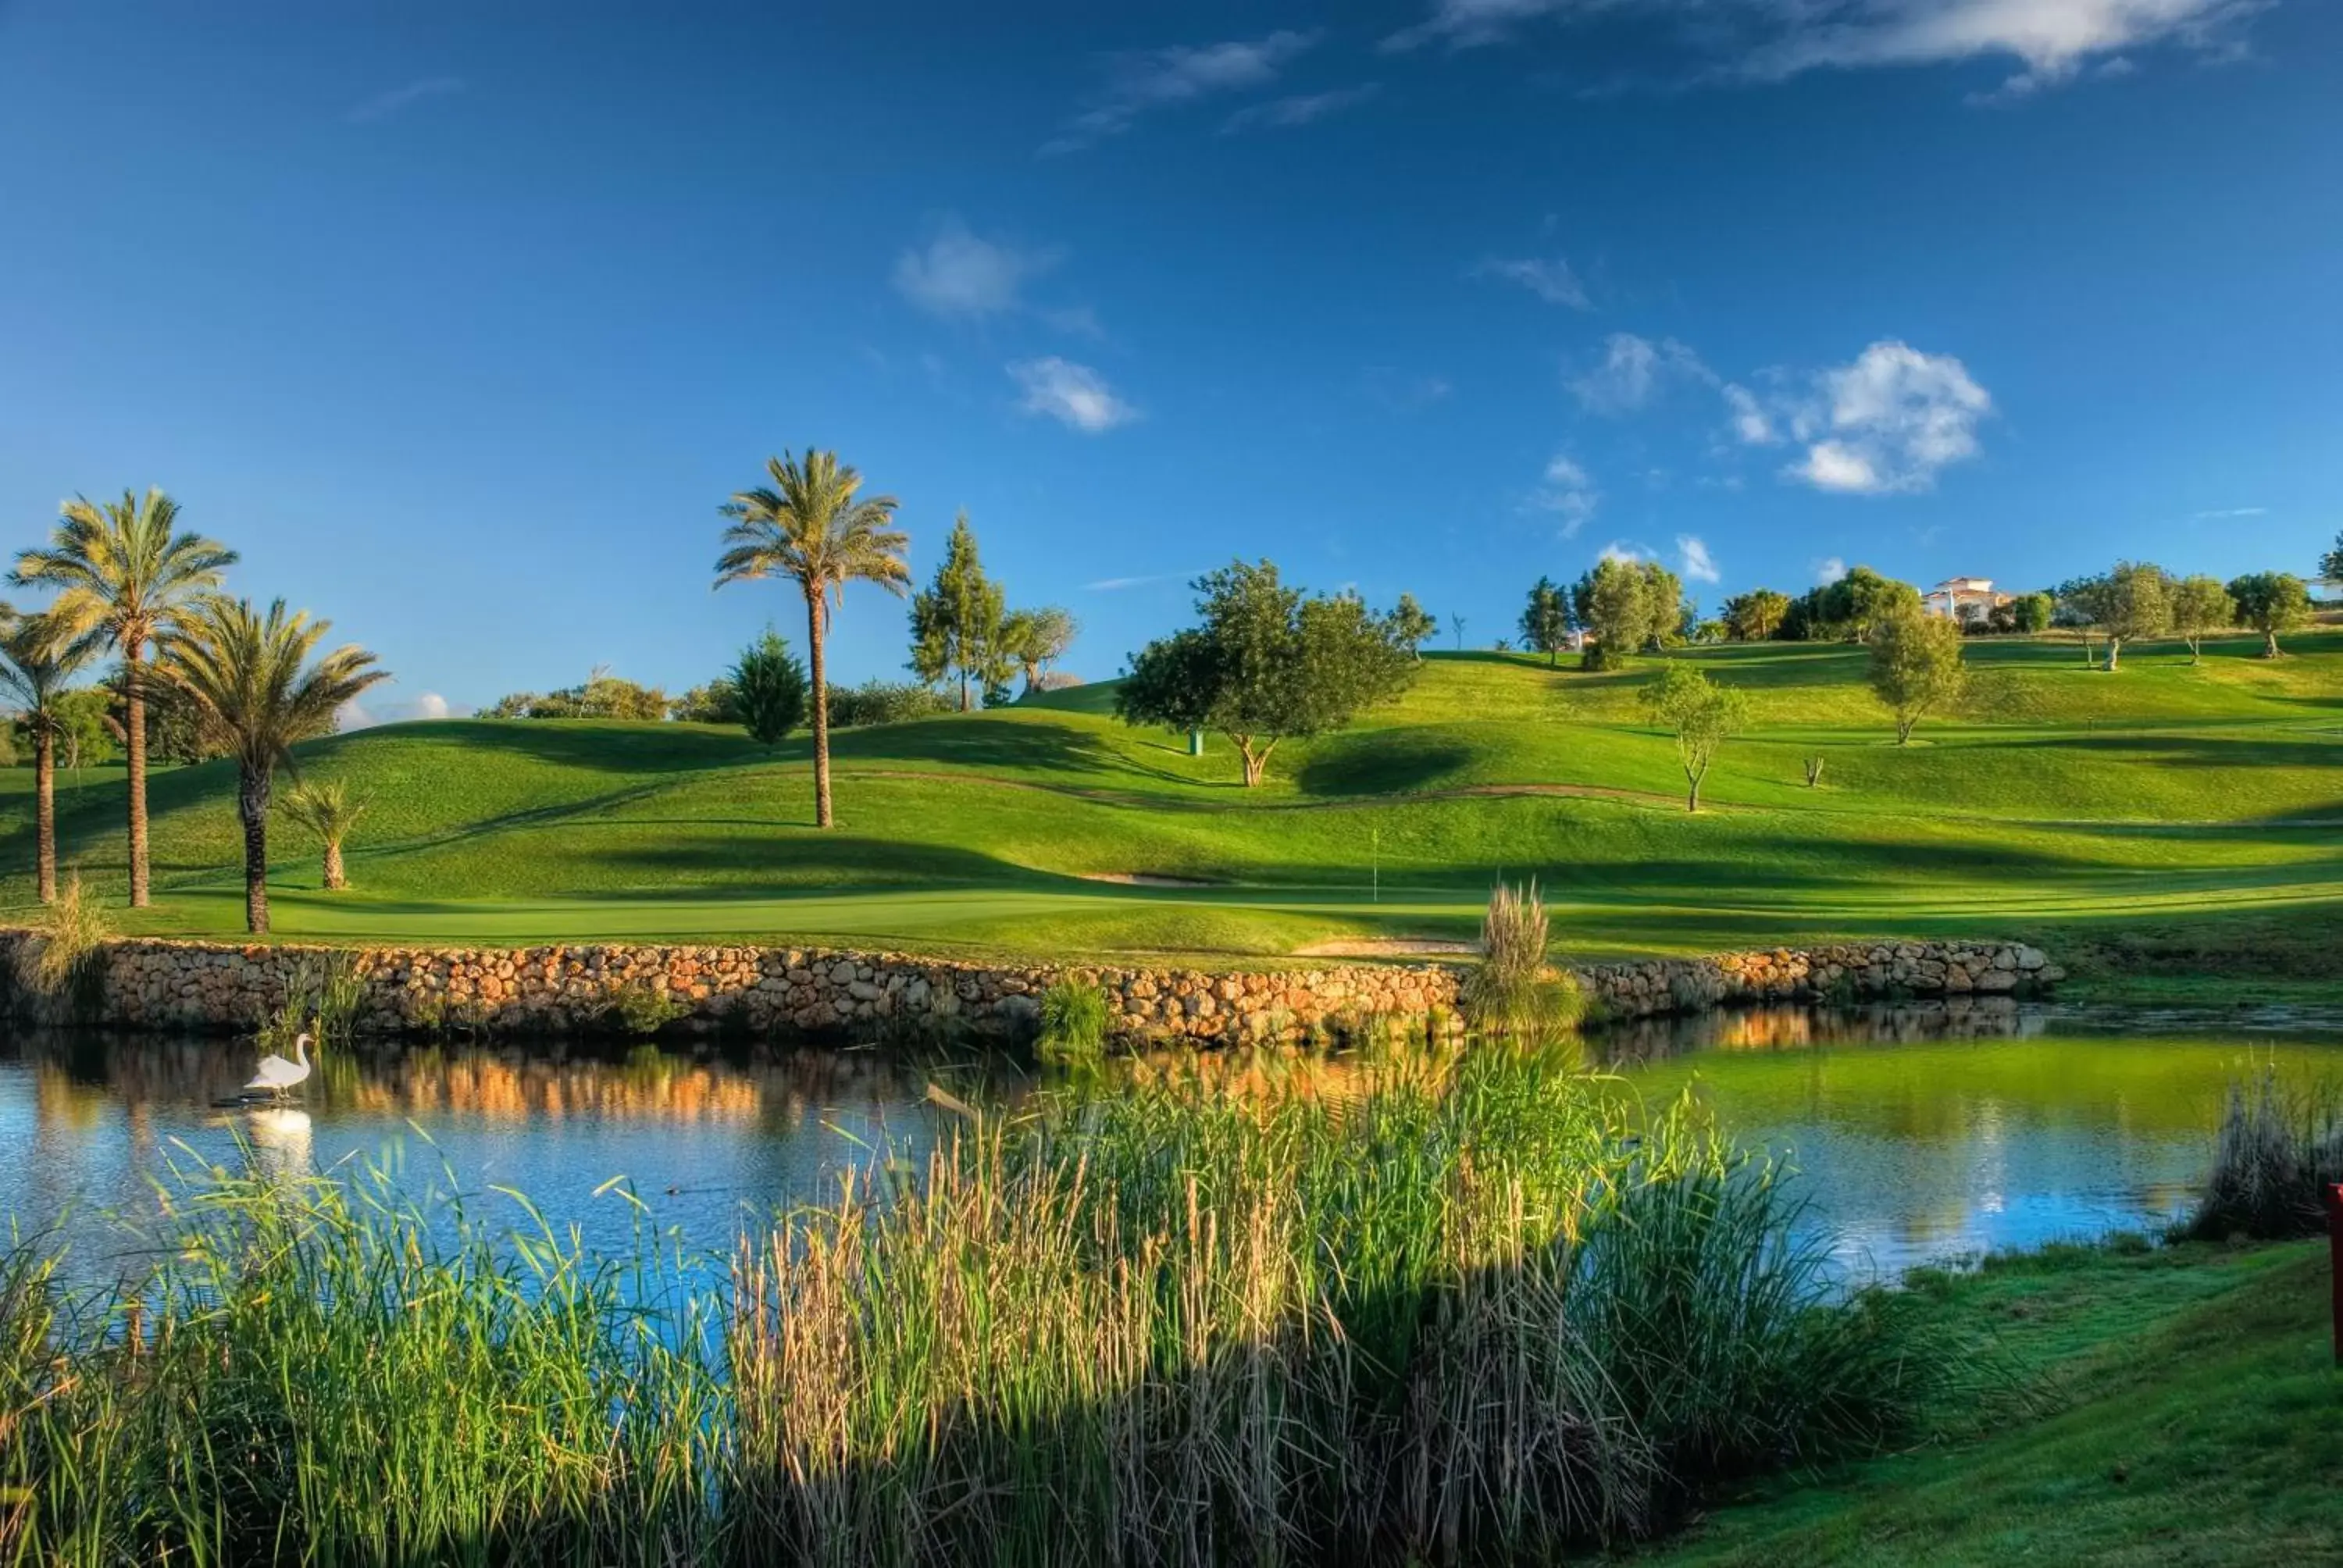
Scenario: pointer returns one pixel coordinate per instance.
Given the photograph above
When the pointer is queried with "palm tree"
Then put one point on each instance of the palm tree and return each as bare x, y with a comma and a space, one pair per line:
36, 663
328, 808
811, 526
245, 673
123, 571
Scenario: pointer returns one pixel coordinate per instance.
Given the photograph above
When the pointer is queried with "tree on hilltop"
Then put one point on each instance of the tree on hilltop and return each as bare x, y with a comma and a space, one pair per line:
2271, 603
1701, 715
1413, 625
1547, 621
1266, 663
956, 622
1755, 615
1625, 607
1034, 640
2200, 605
1916, 666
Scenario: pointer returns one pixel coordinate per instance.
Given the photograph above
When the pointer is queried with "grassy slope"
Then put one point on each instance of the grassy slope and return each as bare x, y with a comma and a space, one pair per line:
2175, 1406
2186, 803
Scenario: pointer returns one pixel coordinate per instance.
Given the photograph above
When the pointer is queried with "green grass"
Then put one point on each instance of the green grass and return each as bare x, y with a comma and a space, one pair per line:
2179, 1405
2186, 805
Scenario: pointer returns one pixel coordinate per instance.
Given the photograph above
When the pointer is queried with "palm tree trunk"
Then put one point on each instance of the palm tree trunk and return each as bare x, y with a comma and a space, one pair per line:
133, 736
336, 877
814, 629
45, 771
252, 805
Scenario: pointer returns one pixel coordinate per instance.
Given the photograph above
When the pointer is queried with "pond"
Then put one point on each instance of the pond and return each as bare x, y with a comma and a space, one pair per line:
1916, 1133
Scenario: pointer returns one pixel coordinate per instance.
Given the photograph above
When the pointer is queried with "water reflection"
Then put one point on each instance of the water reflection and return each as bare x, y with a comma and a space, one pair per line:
1918, 1129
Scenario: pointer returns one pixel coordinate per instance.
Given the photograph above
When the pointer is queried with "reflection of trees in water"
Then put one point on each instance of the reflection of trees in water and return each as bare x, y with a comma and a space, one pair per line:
77, 1076
1637, 1040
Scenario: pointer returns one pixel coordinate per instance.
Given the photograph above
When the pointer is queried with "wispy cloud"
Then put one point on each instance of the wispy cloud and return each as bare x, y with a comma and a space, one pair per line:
1301, 109
1073, 395
1698, 564
382, 105
1552, 279
1568, 493
958, 274
1140, 83
1116, 585
1828, 570
2050, 41
1404, 393
1634, 371
2233, 512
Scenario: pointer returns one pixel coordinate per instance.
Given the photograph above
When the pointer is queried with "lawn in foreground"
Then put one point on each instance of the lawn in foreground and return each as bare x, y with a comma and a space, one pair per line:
2175, 1405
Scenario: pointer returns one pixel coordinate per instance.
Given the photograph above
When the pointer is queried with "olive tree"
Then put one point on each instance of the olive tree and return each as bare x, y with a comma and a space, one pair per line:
1915, 667
2270, 603
1265, 664
1546, 620
2133, 601
1701, 714
2200, 605
1624, 607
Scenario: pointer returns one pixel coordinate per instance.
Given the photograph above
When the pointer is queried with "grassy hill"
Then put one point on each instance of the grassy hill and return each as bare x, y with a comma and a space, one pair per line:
2191, 814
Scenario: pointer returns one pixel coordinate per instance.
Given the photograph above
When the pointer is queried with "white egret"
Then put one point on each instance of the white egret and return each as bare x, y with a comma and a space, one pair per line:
278, 1075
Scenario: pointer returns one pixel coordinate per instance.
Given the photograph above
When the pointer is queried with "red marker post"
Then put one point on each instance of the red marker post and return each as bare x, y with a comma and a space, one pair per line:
2335, 1250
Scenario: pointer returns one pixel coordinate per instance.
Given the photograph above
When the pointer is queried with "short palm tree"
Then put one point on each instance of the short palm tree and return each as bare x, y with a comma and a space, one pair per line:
251, 678
125, 571
328, 808
35, 663
811, 526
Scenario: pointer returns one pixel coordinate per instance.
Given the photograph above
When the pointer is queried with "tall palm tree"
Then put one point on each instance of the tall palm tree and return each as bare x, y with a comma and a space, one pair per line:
328, 808
245, 672
124, 571
36, 663
810, 526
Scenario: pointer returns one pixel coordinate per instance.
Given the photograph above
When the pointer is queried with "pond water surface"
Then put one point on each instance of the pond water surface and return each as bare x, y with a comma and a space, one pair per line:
1916, 1133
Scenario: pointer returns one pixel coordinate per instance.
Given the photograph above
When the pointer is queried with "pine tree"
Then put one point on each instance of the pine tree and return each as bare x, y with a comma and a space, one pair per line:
956, 624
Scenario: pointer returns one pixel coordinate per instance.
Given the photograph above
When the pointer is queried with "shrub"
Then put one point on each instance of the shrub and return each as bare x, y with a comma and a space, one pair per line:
883, 702
63, 962
770, 690
1075, 1019
2280, 1146
1512, 990
639, 1009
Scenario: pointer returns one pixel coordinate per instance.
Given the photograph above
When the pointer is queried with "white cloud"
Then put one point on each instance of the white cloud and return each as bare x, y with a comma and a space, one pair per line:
1162, 78
1115, 585
382, 105
1301, 109
1752, 425
1072, 394
961, 274
1568, 493
1553, 281
2233, 512
2051, 40
1698, 565
1634, 370
1828, 570
1887, 422
356, 715
1621, 550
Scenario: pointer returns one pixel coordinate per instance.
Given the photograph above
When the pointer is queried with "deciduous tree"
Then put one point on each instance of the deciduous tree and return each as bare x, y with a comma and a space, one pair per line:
1265, 663
1915, 667
1034, 640
1701, 715
1755, 615
1546, 621
2271, 603
1413, 625
2200, 605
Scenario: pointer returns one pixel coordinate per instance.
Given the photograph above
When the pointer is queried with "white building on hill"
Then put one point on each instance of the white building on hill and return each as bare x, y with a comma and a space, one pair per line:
1963, 599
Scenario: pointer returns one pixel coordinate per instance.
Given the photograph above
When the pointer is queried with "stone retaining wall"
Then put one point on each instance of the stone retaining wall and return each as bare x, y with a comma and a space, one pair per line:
154, 984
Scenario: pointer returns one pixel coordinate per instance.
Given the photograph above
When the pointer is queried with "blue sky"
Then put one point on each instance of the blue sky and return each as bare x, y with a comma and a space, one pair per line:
460, 320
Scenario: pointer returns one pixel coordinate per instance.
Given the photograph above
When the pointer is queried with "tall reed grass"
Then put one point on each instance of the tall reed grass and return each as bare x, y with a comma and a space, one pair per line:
1466, 1313
2280, 1147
